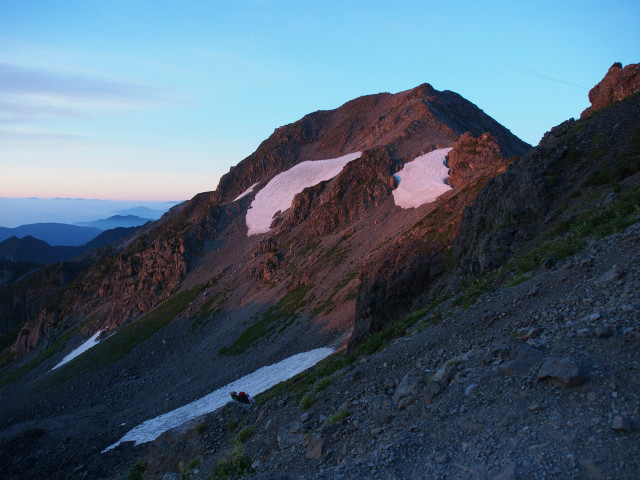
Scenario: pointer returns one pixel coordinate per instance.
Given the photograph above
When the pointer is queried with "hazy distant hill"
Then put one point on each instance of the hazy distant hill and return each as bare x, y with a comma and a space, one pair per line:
30, 249
144, 212
116, 221
25, 211
54, 234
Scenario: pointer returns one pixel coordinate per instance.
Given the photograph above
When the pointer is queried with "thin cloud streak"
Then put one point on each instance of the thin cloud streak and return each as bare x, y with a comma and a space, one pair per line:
19, 80
550, 78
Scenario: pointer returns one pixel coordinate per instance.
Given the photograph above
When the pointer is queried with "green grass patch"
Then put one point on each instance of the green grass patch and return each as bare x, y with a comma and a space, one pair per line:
206, 312
307, 400
518, 280
328, 305
275, 320
338, 252
563, 241
113, 348
137, 470
244, 434
338, 417
309, 248
377, 341
235, 464
232, 425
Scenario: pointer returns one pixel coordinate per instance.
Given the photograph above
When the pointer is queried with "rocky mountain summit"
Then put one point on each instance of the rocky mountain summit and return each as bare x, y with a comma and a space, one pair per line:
488, 332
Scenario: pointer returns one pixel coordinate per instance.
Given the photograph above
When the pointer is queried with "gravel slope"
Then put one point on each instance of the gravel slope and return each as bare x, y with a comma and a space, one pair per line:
505, 404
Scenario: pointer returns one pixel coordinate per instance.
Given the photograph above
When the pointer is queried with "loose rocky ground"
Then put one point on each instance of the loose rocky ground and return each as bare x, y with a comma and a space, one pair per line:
539, 380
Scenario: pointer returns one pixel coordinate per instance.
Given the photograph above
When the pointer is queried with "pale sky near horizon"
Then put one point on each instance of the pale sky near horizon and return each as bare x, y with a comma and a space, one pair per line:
156, 99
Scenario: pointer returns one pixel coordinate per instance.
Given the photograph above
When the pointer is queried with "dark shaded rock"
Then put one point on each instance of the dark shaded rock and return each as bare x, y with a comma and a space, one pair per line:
604, 331
315, 444
622, 424
470, 156
432, 389
182, 444
561, 371
523, 358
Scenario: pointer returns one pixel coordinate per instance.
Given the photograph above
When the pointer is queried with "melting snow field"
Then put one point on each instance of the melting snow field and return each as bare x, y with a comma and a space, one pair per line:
422, 180
254, 383
278, 194
92, 342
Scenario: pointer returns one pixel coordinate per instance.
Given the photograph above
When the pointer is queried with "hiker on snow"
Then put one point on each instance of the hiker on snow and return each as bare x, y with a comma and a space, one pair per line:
242, 398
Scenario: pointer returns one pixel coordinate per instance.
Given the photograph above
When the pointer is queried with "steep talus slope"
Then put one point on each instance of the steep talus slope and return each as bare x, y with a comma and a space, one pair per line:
478, 393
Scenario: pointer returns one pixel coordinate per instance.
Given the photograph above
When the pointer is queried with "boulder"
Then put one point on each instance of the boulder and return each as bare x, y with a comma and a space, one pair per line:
562, 371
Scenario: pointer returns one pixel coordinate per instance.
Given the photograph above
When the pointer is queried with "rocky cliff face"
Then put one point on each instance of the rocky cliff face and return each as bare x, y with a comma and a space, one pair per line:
617, 84
156, 262
399, 274
550, 185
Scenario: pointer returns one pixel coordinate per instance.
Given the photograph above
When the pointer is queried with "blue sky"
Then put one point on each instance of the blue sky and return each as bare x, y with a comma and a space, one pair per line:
155, 100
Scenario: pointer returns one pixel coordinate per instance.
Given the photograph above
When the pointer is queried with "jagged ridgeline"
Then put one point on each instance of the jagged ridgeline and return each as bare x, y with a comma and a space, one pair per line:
319, 242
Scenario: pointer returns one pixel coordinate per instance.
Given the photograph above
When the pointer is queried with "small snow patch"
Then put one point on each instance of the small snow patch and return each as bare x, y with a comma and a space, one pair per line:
277, 195
422, 180
254, 383
246, 192
92, 342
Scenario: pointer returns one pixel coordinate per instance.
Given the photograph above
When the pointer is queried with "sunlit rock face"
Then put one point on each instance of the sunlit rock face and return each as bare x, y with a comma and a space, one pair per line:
618, 84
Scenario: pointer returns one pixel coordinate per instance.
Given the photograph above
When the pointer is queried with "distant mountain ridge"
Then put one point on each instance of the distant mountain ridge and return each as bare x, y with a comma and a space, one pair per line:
116, 221
55, 234
34, 250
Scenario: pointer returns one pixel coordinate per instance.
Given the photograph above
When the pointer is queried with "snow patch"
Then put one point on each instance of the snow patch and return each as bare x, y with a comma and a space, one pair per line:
278, 194
422, 180
92, 342
254, 383
246, 192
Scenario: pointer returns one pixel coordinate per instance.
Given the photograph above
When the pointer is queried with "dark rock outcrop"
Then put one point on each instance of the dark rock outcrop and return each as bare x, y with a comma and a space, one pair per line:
618, 84
364, 183
390, 282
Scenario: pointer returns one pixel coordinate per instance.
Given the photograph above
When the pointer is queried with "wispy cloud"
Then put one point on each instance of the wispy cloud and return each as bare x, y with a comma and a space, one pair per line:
21, 138
20, 80
28, 93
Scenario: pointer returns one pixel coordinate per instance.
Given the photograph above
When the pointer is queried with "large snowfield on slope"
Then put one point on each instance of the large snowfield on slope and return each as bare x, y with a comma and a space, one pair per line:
422, 180
92, 342
254, 383
278, 194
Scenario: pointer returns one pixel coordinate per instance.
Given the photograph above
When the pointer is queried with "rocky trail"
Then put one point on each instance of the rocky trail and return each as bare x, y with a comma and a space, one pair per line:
538, 380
